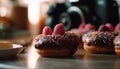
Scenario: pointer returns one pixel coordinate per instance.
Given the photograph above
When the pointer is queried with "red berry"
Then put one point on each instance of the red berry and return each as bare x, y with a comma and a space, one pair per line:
82, 26
59, 29
47, 30
117, 28
103, 28
111, 28
89, 27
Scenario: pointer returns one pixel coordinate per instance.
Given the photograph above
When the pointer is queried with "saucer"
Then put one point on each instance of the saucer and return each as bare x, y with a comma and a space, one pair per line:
11, 52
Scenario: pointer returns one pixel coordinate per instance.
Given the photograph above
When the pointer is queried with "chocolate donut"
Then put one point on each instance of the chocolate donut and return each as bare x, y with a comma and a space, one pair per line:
57, 44
98, 42
68, 41
117, 44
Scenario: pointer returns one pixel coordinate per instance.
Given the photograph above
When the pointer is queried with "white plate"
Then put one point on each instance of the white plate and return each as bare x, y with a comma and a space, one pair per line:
5, 53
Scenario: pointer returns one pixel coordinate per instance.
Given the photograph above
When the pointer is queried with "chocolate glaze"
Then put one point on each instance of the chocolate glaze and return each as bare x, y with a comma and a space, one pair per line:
117, 40
99, 39
67, 40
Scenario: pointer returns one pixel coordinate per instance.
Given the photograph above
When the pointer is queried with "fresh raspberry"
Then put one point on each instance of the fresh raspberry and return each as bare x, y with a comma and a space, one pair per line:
117, 28
111, 28
82, 26
103, 28
47, 30
59, 29
89, 27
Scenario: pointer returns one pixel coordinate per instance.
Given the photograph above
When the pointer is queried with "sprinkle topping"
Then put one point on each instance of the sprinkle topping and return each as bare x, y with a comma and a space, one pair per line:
99, 39
67, 40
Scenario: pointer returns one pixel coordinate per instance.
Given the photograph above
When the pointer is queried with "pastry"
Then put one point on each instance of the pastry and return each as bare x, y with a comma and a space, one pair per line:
57, 43
117, 44
5, 45
98, 42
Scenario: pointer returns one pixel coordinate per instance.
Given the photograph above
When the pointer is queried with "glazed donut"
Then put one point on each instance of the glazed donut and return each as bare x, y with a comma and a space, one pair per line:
56, 44
98, 42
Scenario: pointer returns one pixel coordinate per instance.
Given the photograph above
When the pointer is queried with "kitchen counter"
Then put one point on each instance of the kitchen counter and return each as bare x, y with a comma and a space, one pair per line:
81, 60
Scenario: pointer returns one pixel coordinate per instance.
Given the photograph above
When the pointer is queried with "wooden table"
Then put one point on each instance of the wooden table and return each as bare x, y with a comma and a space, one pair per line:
81, 60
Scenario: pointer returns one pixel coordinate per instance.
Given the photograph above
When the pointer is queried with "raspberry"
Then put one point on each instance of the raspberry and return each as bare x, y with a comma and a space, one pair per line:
111, 28
47, 30
82, 26
89, 27
103, 28
117, 28
59, 29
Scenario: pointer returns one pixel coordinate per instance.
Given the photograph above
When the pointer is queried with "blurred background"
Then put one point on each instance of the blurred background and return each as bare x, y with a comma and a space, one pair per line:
22, 20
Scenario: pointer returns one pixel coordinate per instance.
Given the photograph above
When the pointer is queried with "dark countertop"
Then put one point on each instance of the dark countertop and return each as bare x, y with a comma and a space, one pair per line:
81, 60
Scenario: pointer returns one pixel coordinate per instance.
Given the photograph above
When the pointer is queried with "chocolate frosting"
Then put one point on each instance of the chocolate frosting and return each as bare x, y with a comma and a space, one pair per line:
67, 40
99, 39
117, 40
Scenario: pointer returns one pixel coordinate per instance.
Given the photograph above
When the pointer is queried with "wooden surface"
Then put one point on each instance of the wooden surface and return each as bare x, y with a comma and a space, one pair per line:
81, 60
